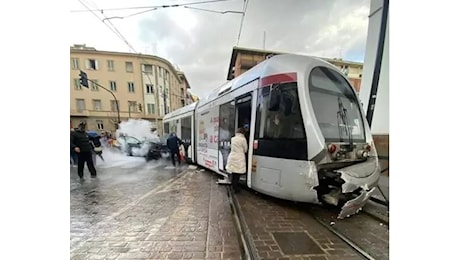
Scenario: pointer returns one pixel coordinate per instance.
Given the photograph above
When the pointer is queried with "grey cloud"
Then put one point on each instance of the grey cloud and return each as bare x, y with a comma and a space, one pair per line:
317, 27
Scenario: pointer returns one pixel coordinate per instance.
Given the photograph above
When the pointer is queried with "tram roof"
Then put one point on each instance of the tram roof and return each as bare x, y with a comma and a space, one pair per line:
287, 61
187, 108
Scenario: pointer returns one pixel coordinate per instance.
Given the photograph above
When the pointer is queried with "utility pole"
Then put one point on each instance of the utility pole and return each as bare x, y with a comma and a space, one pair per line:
84, 82
378, 64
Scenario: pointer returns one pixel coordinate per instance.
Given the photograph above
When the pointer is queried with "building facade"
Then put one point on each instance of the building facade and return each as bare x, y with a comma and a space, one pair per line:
184, 90
243, 59
144, 86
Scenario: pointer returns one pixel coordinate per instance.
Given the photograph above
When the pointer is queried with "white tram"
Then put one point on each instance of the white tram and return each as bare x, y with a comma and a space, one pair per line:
309, 138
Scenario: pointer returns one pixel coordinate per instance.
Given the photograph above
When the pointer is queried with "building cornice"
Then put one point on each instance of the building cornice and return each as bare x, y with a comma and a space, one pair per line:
126, 54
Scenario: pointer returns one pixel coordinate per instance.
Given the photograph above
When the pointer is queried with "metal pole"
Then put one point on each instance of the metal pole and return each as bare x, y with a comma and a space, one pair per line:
116, 101
378, 64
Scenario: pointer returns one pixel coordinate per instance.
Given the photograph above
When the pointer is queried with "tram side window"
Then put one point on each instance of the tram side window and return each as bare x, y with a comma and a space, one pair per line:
186, 132
227, 121
186, 129
166, 129
226, 130
278, 113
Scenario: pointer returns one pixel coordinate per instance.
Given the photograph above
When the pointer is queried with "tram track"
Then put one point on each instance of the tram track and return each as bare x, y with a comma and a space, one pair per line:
345, 239
244, 237
345, 229
356, 232
377, 216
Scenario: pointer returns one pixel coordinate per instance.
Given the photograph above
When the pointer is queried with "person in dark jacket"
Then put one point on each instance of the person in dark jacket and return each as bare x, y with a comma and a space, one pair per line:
73, 154
79, 141
173, 144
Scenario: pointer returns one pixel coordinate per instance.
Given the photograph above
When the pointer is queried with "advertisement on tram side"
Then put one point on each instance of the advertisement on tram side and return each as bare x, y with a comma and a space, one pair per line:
208, 138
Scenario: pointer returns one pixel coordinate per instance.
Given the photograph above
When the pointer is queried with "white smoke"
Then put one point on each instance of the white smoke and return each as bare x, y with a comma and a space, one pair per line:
139, 129
141, 151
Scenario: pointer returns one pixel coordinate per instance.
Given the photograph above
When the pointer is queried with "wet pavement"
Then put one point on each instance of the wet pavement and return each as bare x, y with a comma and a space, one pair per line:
279, 229
150, 210
271, 222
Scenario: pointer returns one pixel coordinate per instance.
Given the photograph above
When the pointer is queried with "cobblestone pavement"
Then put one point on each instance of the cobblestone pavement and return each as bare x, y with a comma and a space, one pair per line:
151, 212
368, 233
271, 222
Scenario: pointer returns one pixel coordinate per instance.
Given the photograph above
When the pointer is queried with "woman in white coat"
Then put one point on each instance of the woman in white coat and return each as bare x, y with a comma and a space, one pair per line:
236, 162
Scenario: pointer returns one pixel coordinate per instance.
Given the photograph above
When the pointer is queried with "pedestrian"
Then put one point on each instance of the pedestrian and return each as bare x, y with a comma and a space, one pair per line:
79, 141
103, 140
95, 141
73, 154
236, 163
275, 129
173, 142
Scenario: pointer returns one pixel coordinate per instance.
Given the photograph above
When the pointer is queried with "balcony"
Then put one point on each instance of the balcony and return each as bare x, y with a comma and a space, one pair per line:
79, 112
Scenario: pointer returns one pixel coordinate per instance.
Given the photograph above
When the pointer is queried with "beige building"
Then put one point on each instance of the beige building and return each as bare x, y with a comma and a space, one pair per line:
145, 86
184, 90
243, 59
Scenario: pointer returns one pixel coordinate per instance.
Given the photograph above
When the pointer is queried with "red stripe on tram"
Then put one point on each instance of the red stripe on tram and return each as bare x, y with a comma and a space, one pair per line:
278, 78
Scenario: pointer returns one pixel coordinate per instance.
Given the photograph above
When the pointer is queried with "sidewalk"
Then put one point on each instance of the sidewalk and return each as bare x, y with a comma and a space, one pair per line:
187, 218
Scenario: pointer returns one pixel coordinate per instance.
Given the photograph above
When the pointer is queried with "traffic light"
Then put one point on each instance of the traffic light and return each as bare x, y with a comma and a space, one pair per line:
83, 79
140, 107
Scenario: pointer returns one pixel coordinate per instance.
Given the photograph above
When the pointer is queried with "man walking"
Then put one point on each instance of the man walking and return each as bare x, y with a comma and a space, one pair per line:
173, 144
79, 141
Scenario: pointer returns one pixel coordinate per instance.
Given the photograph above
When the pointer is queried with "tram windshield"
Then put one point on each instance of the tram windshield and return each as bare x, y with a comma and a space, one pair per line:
278, 113
336, 106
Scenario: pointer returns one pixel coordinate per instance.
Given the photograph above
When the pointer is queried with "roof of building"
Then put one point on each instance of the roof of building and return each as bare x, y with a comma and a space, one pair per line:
182, 74
237, 50
82, 48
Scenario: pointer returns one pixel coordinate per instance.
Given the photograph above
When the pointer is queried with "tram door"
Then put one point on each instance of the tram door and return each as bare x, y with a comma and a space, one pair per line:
226, 131
243, 119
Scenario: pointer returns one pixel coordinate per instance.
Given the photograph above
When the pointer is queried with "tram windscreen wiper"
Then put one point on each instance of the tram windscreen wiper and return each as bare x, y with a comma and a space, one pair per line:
342, 114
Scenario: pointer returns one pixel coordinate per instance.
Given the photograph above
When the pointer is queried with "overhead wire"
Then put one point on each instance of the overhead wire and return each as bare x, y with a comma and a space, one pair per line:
245, 6
114, 30
148, 7
120, 35
213, 11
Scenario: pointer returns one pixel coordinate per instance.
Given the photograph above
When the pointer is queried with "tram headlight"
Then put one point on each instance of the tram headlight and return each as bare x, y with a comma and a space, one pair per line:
367, 147
362, 154
331, 148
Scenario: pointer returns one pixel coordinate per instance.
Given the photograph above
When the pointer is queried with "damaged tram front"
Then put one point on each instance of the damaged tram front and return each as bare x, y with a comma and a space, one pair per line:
347, 166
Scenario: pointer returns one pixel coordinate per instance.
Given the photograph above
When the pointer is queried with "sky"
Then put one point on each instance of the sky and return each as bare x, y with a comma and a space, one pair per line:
200, 42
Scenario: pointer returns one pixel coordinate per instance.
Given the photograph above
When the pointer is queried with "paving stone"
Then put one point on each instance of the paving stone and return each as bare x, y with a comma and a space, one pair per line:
188, 217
